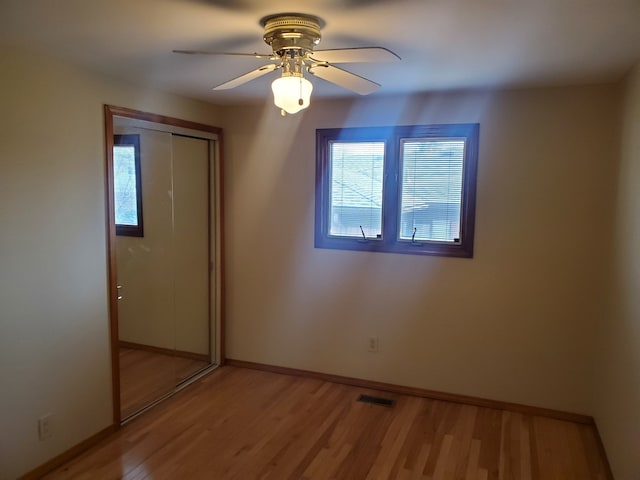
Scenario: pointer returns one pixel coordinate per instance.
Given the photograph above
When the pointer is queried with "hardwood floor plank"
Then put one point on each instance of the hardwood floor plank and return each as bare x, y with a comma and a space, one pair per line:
436, 431
526, 470
394, 440
443, 458
510, 468
462, 442
488, 429
473, 460
244, 424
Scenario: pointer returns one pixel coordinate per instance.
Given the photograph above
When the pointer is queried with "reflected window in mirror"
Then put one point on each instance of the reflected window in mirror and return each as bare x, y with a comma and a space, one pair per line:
127, 185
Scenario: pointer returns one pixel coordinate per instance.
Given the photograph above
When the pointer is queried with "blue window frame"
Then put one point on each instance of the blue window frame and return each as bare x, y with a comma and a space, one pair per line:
127, 185
407, 189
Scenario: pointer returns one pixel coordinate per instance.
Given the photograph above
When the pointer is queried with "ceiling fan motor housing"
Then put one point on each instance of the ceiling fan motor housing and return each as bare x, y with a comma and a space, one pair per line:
291, 32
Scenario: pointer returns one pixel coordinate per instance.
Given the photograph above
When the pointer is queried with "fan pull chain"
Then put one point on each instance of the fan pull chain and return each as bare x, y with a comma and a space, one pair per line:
300, 100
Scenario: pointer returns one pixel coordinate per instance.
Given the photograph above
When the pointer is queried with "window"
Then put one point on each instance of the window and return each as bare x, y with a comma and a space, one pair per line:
408, 189
127, 185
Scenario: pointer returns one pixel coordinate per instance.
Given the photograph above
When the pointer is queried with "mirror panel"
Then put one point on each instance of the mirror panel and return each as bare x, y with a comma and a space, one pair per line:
192, 252
145, 266
165, 291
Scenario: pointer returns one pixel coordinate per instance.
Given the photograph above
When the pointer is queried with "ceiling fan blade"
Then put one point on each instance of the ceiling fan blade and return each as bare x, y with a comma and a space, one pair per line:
345, 79
355, 55
204, 52
258, 72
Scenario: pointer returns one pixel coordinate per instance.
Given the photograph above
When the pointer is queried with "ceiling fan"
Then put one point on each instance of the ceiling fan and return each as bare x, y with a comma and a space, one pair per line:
293, 37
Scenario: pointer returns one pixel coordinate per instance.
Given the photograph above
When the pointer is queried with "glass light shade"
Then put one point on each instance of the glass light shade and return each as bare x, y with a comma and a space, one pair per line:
291, 93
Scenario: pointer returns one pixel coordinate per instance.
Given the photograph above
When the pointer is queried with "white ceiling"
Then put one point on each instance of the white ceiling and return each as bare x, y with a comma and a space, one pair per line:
444, 44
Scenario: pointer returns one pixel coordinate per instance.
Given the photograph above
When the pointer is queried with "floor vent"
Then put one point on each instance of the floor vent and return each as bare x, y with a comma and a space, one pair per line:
385, 402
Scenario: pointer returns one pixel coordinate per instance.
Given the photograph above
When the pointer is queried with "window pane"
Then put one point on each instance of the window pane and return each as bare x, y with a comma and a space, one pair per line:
356, 189
124, 172
424, 174
431, 189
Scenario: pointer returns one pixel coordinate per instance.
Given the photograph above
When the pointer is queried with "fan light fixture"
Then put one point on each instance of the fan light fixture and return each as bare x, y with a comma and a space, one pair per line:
291, 93
293, 38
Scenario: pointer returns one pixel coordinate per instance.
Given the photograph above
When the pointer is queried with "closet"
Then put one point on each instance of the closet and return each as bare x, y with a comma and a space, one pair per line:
165, 256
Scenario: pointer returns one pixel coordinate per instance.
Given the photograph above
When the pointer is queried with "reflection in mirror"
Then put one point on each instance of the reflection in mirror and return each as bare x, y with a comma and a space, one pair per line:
166, 289
127, 185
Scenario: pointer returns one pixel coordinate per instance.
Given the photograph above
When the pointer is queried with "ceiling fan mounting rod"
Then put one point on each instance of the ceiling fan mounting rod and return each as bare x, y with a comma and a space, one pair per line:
292, 64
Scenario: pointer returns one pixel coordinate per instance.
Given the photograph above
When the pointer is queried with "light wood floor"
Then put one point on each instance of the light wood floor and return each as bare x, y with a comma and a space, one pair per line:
246, 424
146, 376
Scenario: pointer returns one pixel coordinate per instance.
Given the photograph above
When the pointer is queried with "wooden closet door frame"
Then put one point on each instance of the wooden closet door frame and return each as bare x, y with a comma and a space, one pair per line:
110, 112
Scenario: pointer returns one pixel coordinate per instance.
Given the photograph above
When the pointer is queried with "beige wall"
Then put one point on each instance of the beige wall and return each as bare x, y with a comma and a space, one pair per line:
515, 323
54, 352
617, 386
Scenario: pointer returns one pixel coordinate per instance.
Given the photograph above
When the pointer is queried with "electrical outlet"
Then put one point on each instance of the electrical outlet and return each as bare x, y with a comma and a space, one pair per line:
373, 344
44, 427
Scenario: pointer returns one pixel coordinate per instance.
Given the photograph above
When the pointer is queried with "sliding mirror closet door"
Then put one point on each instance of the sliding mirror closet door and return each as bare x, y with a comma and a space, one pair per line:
164, 250
144, 248
191, 254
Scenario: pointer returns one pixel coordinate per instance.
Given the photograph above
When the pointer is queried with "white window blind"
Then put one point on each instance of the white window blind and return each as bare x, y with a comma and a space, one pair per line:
357, 171
431, 189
